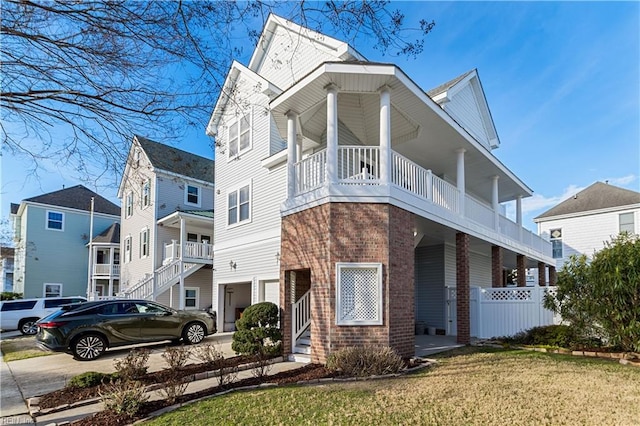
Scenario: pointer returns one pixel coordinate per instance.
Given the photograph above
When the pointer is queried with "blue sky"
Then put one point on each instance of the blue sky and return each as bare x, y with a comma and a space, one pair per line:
562, 80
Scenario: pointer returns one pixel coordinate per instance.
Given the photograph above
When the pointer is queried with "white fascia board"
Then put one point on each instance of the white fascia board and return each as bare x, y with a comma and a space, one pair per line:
630, 207
235, 71
183, 177
418, 92
275, 159
175, 215
127, 167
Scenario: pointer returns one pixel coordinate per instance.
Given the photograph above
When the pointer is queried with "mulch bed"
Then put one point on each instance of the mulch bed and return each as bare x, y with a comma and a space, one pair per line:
110, 418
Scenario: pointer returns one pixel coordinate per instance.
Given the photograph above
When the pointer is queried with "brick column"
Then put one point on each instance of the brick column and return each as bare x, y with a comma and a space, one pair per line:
496, 267
286, 310
522, 273
462, 289
542, 278
552, 275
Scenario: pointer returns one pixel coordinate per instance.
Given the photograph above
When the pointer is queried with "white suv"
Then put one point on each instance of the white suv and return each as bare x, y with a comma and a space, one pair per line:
22, 314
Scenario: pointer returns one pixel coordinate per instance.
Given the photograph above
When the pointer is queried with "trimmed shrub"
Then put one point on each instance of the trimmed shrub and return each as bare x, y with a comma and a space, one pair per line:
133, 366
362, 361
176, 357
562, 336
257, 331
89, 379
124, 397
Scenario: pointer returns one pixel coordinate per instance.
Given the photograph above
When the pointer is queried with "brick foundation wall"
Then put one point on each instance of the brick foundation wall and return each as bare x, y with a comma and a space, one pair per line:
542, 272
318, 238
522, 272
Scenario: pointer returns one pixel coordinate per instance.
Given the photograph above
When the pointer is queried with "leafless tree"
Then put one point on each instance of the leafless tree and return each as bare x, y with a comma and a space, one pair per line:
79, 78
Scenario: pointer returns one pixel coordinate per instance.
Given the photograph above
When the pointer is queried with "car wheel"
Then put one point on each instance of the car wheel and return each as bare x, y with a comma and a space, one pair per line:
28, 326
88, 347
193, 333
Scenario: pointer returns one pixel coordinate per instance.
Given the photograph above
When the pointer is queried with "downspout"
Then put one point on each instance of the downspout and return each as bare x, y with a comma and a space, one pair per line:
90, 289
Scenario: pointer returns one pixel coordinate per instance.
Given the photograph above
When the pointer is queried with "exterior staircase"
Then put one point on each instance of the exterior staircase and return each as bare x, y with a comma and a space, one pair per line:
301, 351
163, 278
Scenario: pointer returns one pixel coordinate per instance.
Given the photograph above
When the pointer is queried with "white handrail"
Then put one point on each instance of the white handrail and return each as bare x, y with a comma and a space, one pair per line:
310, 172
301, 315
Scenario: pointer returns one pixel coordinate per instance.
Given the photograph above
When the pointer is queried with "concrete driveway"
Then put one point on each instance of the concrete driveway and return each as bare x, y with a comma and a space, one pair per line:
26, 378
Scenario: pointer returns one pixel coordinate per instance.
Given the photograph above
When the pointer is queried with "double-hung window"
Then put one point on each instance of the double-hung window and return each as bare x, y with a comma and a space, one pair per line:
192, 195
128, 203
127, 249
556, 243
144, 243
191, 297
55, 220
52, 290
145, 200
239, 205
240, 136
627, 222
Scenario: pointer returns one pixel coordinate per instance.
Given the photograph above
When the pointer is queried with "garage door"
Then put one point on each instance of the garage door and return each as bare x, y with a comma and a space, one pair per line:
272, 292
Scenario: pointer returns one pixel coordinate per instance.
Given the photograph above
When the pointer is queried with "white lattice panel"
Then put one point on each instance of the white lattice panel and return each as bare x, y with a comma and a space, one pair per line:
359, 294
507, 294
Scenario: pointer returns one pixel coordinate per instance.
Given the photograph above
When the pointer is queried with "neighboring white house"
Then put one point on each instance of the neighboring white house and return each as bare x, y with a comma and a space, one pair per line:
166, 232
358, 201
6, 268
583, 223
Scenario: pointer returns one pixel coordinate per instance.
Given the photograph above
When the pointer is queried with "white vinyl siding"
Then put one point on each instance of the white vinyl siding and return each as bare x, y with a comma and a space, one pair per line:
55, 220
129, 204
430, 286
239, 205
464, 108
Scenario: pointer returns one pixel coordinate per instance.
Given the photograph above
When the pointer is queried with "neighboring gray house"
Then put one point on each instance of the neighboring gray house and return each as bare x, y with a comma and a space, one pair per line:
166, 232
582, 224
51, 232
104, 252
6, 268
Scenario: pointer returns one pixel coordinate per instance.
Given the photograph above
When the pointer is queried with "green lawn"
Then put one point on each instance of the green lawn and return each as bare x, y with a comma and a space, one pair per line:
21, 348
470, 387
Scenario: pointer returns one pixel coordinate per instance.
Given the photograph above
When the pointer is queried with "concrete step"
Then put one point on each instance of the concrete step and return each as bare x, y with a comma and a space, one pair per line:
302, 349
304, 341
303, 358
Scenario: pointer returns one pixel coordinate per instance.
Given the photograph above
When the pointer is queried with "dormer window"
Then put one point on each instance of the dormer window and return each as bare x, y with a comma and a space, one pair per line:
240, 136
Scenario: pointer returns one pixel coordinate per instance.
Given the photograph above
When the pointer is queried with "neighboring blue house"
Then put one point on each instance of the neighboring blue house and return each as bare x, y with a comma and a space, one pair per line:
51, 233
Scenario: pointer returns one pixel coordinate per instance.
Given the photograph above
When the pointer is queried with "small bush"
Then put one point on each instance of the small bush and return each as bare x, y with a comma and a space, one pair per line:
176, 357
257, 330
124, 397
134, 365
207, 354
362, 361
173, 389
89, 379
562, 336
8, 295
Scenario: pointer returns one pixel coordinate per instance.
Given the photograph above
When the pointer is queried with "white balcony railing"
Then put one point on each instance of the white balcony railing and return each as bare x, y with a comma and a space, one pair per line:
106, 269
192, 250
360, 165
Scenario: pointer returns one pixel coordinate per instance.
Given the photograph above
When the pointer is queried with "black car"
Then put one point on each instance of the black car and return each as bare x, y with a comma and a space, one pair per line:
88, 329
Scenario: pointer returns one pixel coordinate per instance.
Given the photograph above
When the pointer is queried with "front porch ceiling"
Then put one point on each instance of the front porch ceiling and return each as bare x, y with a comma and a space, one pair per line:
420, 129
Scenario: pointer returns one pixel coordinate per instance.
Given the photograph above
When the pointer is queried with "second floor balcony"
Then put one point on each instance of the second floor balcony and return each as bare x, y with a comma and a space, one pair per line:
106, 270
192, 252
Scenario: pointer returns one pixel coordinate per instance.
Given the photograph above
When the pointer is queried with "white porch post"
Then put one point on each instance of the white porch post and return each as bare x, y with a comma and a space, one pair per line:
495, 202
292, 157
332, 134
111, 268
183, 237
460, 179
519, 215
385, 135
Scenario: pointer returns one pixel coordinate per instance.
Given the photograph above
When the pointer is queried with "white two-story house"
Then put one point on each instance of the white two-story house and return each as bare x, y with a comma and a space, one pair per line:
166, 231
355, 199
583, 223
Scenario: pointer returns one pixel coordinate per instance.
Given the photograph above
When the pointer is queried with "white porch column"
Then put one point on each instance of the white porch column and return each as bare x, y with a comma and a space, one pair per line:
292, 157
332, 134
183, 237
460, 178
519, 215
495, 202
111, 267
385, 135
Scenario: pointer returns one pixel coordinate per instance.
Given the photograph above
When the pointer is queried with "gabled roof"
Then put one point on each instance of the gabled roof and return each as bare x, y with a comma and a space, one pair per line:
14, 208
77, 197
595, 197
448, 85
177, 161
111, 235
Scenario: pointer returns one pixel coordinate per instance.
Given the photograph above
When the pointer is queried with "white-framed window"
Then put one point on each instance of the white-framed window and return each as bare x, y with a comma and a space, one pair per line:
239, 136
191, 297
145, 198
239, 205
192, 194
55, 220
52, 290
127, 249
128, 204
144, 243
358, 293
556, 243
627, 222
